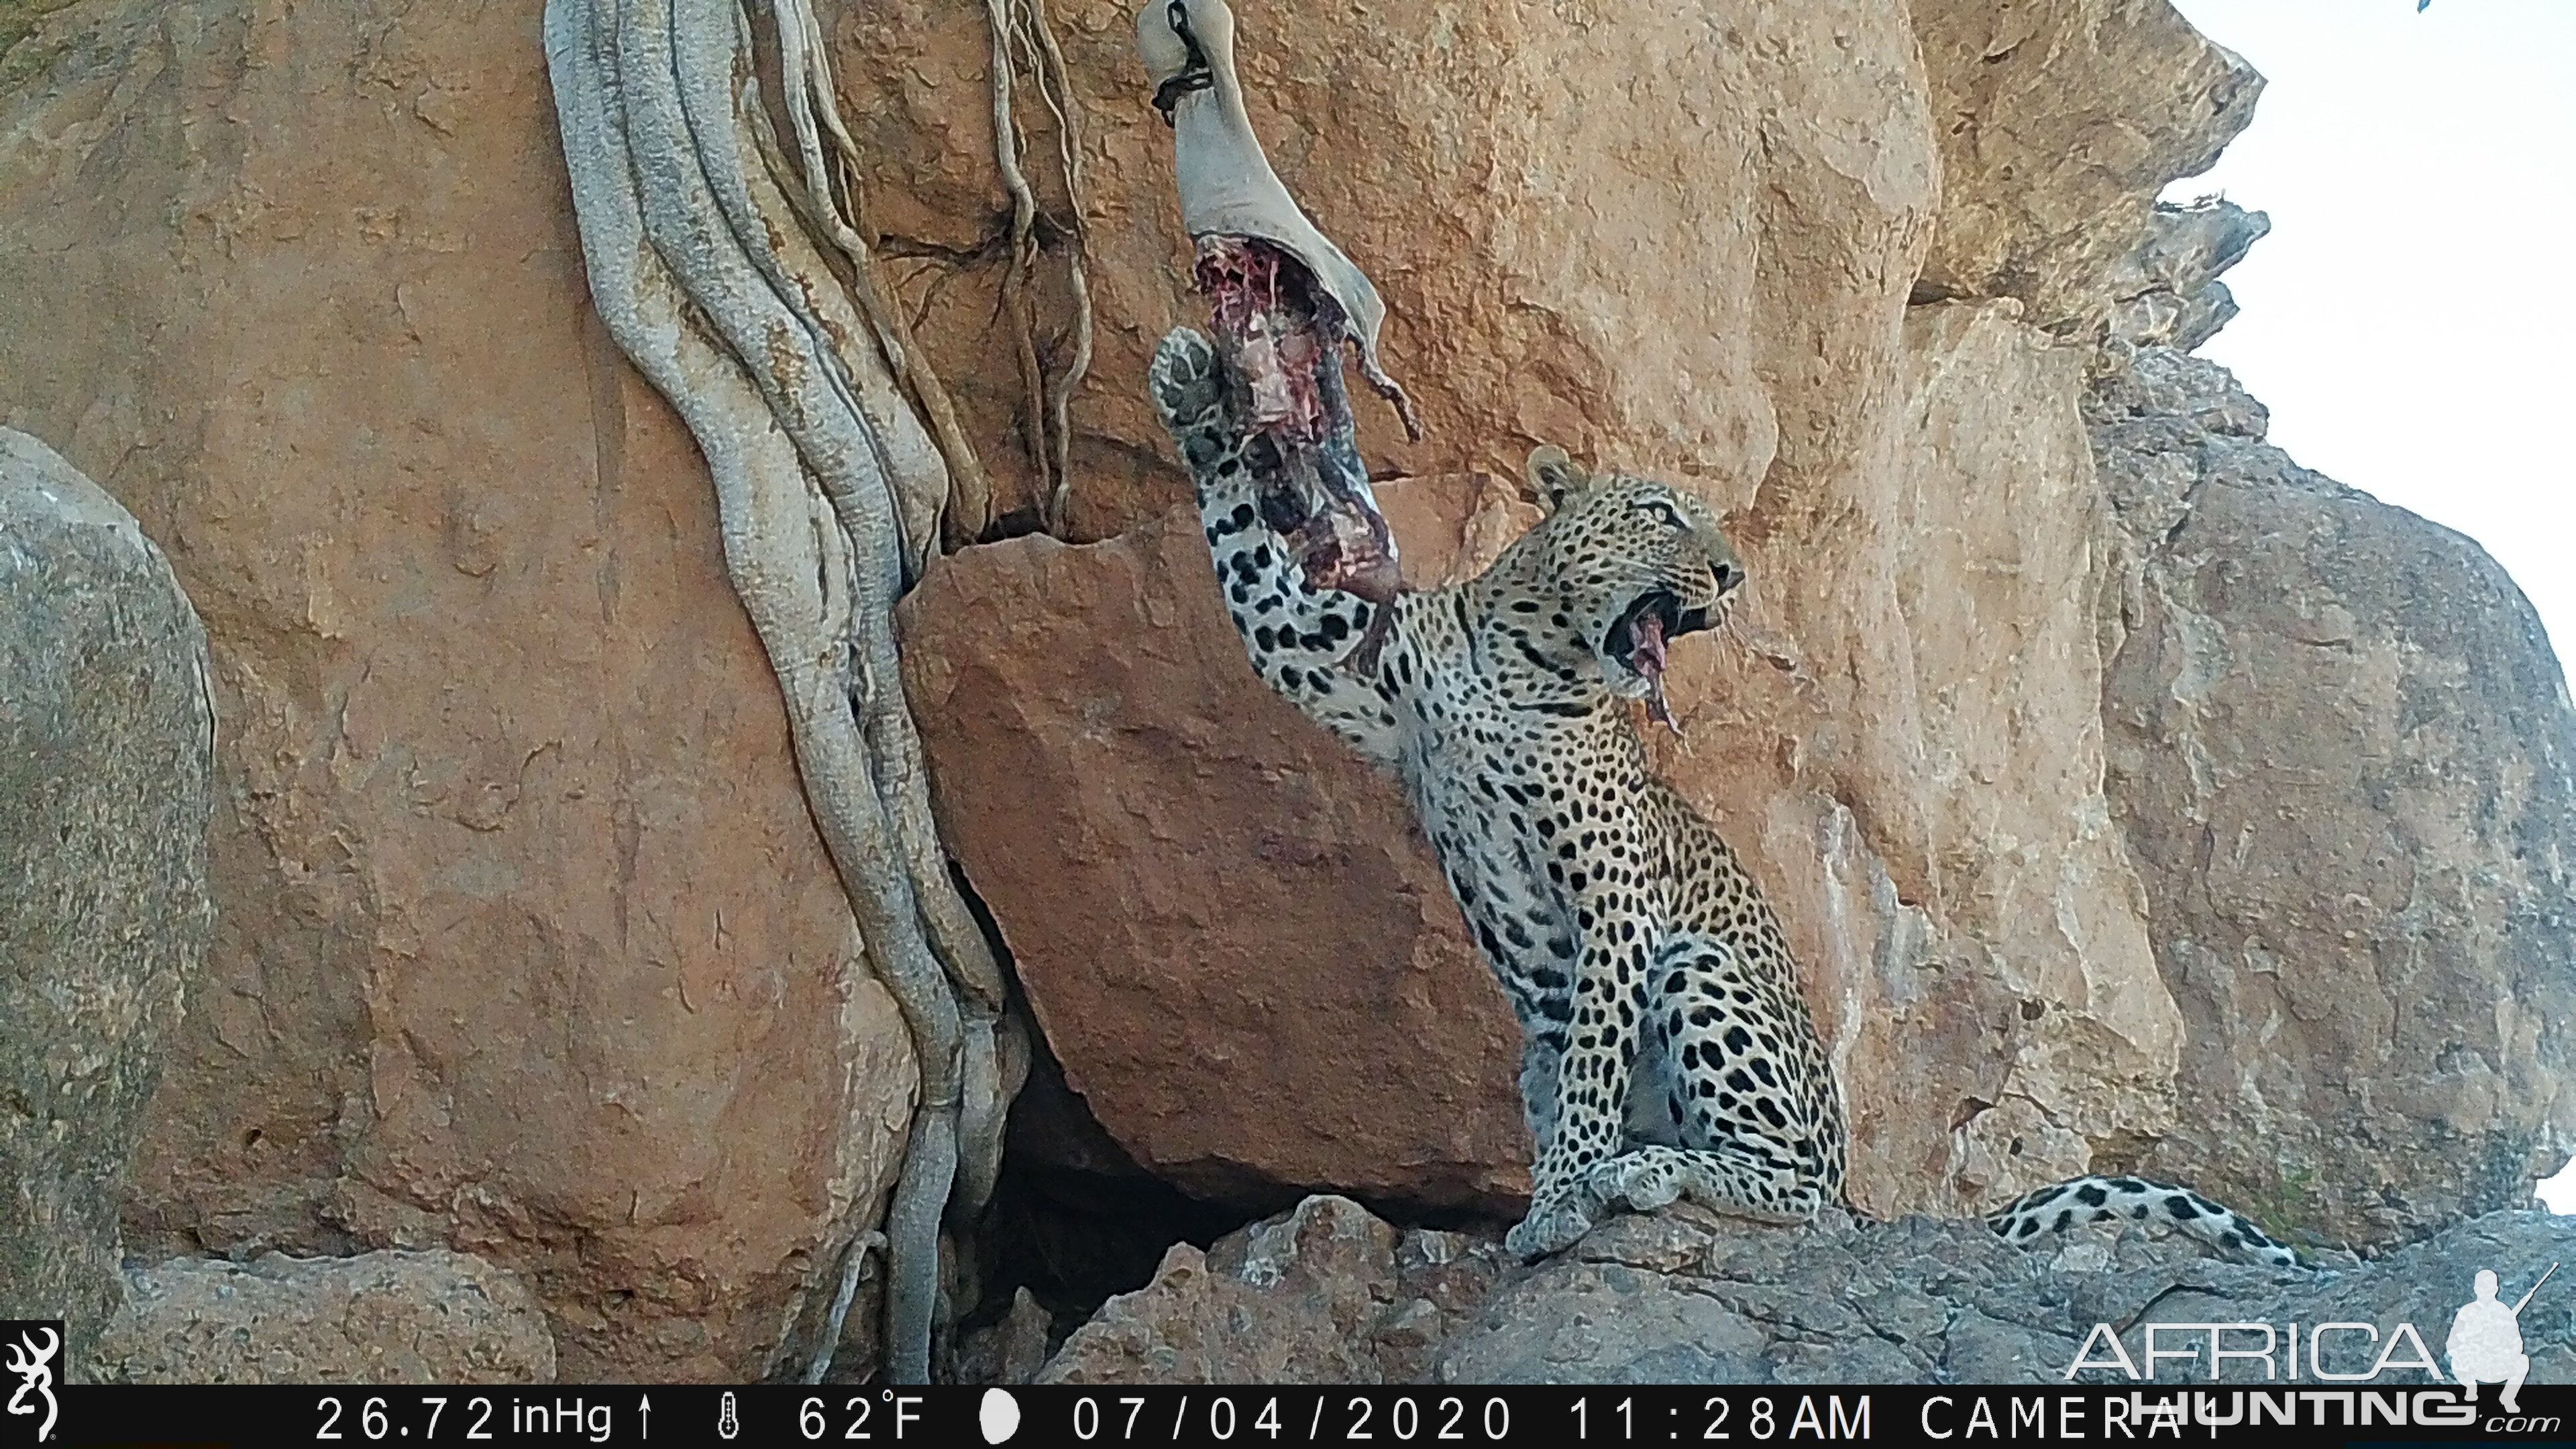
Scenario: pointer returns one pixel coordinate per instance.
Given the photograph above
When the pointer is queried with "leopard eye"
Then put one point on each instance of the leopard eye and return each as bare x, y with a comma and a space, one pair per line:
1664, 512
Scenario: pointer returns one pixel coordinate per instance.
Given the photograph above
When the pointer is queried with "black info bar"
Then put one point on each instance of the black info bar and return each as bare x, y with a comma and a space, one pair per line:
1377, 1416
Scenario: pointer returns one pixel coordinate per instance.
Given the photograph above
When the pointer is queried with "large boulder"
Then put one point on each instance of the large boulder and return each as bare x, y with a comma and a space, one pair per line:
1235, 941
528, 945
2344, 758
107, 738
387, 1317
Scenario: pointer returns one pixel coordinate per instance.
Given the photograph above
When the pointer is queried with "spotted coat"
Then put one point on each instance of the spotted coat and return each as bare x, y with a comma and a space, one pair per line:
1667, 1050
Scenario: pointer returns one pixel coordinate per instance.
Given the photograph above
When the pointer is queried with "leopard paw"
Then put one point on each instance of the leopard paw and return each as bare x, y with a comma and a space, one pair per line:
1554, 1222
1184, 379
1640, 1181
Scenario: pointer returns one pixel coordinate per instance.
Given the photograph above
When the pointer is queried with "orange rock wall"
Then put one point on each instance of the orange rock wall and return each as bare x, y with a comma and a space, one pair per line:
526, 943
1226, 924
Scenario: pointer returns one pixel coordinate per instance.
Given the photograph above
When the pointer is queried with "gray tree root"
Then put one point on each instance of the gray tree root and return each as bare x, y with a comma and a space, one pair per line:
829, 493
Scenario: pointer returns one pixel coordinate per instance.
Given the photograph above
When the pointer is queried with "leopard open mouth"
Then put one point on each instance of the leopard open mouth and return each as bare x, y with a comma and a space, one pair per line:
1639, 639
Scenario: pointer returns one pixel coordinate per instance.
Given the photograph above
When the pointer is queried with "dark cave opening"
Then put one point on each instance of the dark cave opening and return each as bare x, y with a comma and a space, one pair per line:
1074, 1220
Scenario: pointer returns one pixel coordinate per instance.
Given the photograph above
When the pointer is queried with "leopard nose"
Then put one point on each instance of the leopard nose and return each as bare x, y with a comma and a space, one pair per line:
1728, 576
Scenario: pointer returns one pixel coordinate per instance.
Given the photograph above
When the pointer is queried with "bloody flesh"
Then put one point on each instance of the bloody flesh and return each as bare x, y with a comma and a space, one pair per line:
1646, 657
1279, 337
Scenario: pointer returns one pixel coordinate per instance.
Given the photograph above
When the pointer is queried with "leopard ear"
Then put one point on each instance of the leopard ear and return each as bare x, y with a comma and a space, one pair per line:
1552, 476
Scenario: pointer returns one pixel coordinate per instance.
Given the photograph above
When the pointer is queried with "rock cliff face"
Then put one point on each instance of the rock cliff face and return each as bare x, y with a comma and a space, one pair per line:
1884, 384
527, 945
528, 948
2057, 125
1709, 279
2345, 762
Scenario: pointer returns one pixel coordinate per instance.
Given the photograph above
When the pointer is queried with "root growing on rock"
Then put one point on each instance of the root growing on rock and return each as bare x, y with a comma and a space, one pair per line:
1024, 44
705, 251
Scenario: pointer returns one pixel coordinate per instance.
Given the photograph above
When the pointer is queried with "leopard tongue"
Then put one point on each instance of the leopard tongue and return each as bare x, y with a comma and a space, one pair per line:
1647, 658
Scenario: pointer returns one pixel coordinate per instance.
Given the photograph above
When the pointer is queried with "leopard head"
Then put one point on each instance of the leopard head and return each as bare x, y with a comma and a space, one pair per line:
1635, 565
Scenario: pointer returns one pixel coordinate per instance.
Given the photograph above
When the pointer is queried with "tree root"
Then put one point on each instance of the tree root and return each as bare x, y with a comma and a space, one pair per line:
829, 494
805, 76
1024, 42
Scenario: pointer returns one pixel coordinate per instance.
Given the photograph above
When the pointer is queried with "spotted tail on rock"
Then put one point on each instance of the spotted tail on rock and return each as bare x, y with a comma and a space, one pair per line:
2098, 1199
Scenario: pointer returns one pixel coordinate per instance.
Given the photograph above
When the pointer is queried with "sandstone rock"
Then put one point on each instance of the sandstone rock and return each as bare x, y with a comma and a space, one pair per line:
2345, 760
1326, 1293
380, 1318
1685, 1297
2058, 123
1235, 942
106, 777
527, 945
506, 755
2034, 1017
1995, 1015
1556, 268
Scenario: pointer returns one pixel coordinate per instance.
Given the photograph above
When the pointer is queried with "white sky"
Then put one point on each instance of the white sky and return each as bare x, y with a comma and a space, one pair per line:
2411, 320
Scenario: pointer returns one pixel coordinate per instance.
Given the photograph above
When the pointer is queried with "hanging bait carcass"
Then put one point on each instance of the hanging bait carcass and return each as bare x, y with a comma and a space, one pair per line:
1285, 300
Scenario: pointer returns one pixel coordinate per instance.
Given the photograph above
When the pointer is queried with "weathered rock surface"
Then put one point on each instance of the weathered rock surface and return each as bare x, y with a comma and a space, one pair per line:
2345, 760
527, 944
106, 778
1556, 268
2058, 123
1684, 1297
2167, 292
1236, 943
1325, 1293
2033, 1010
1657, 1300
386, 1317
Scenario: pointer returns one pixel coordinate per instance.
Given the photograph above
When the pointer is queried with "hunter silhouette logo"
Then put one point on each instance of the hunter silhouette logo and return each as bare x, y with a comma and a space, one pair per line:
2485, 1346
34, 1368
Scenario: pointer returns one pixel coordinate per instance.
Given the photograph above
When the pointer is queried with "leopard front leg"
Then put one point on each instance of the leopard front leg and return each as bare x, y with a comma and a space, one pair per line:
1592, 1079
1739, 1098
1297, 636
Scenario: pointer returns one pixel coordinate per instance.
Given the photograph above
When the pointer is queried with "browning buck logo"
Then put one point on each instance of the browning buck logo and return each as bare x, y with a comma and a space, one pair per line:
30, 1349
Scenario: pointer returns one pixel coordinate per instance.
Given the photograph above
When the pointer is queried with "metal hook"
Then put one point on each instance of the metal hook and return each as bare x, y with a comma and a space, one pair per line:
1196, 76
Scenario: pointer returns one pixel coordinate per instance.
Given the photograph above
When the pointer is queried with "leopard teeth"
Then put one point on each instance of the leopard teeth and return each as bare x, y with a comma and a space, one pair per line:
1656, 709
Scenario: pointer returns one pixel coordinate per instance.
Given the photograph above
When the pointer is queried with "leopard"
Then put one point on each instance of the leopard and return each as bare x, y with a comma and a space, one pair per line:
1668, 1052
